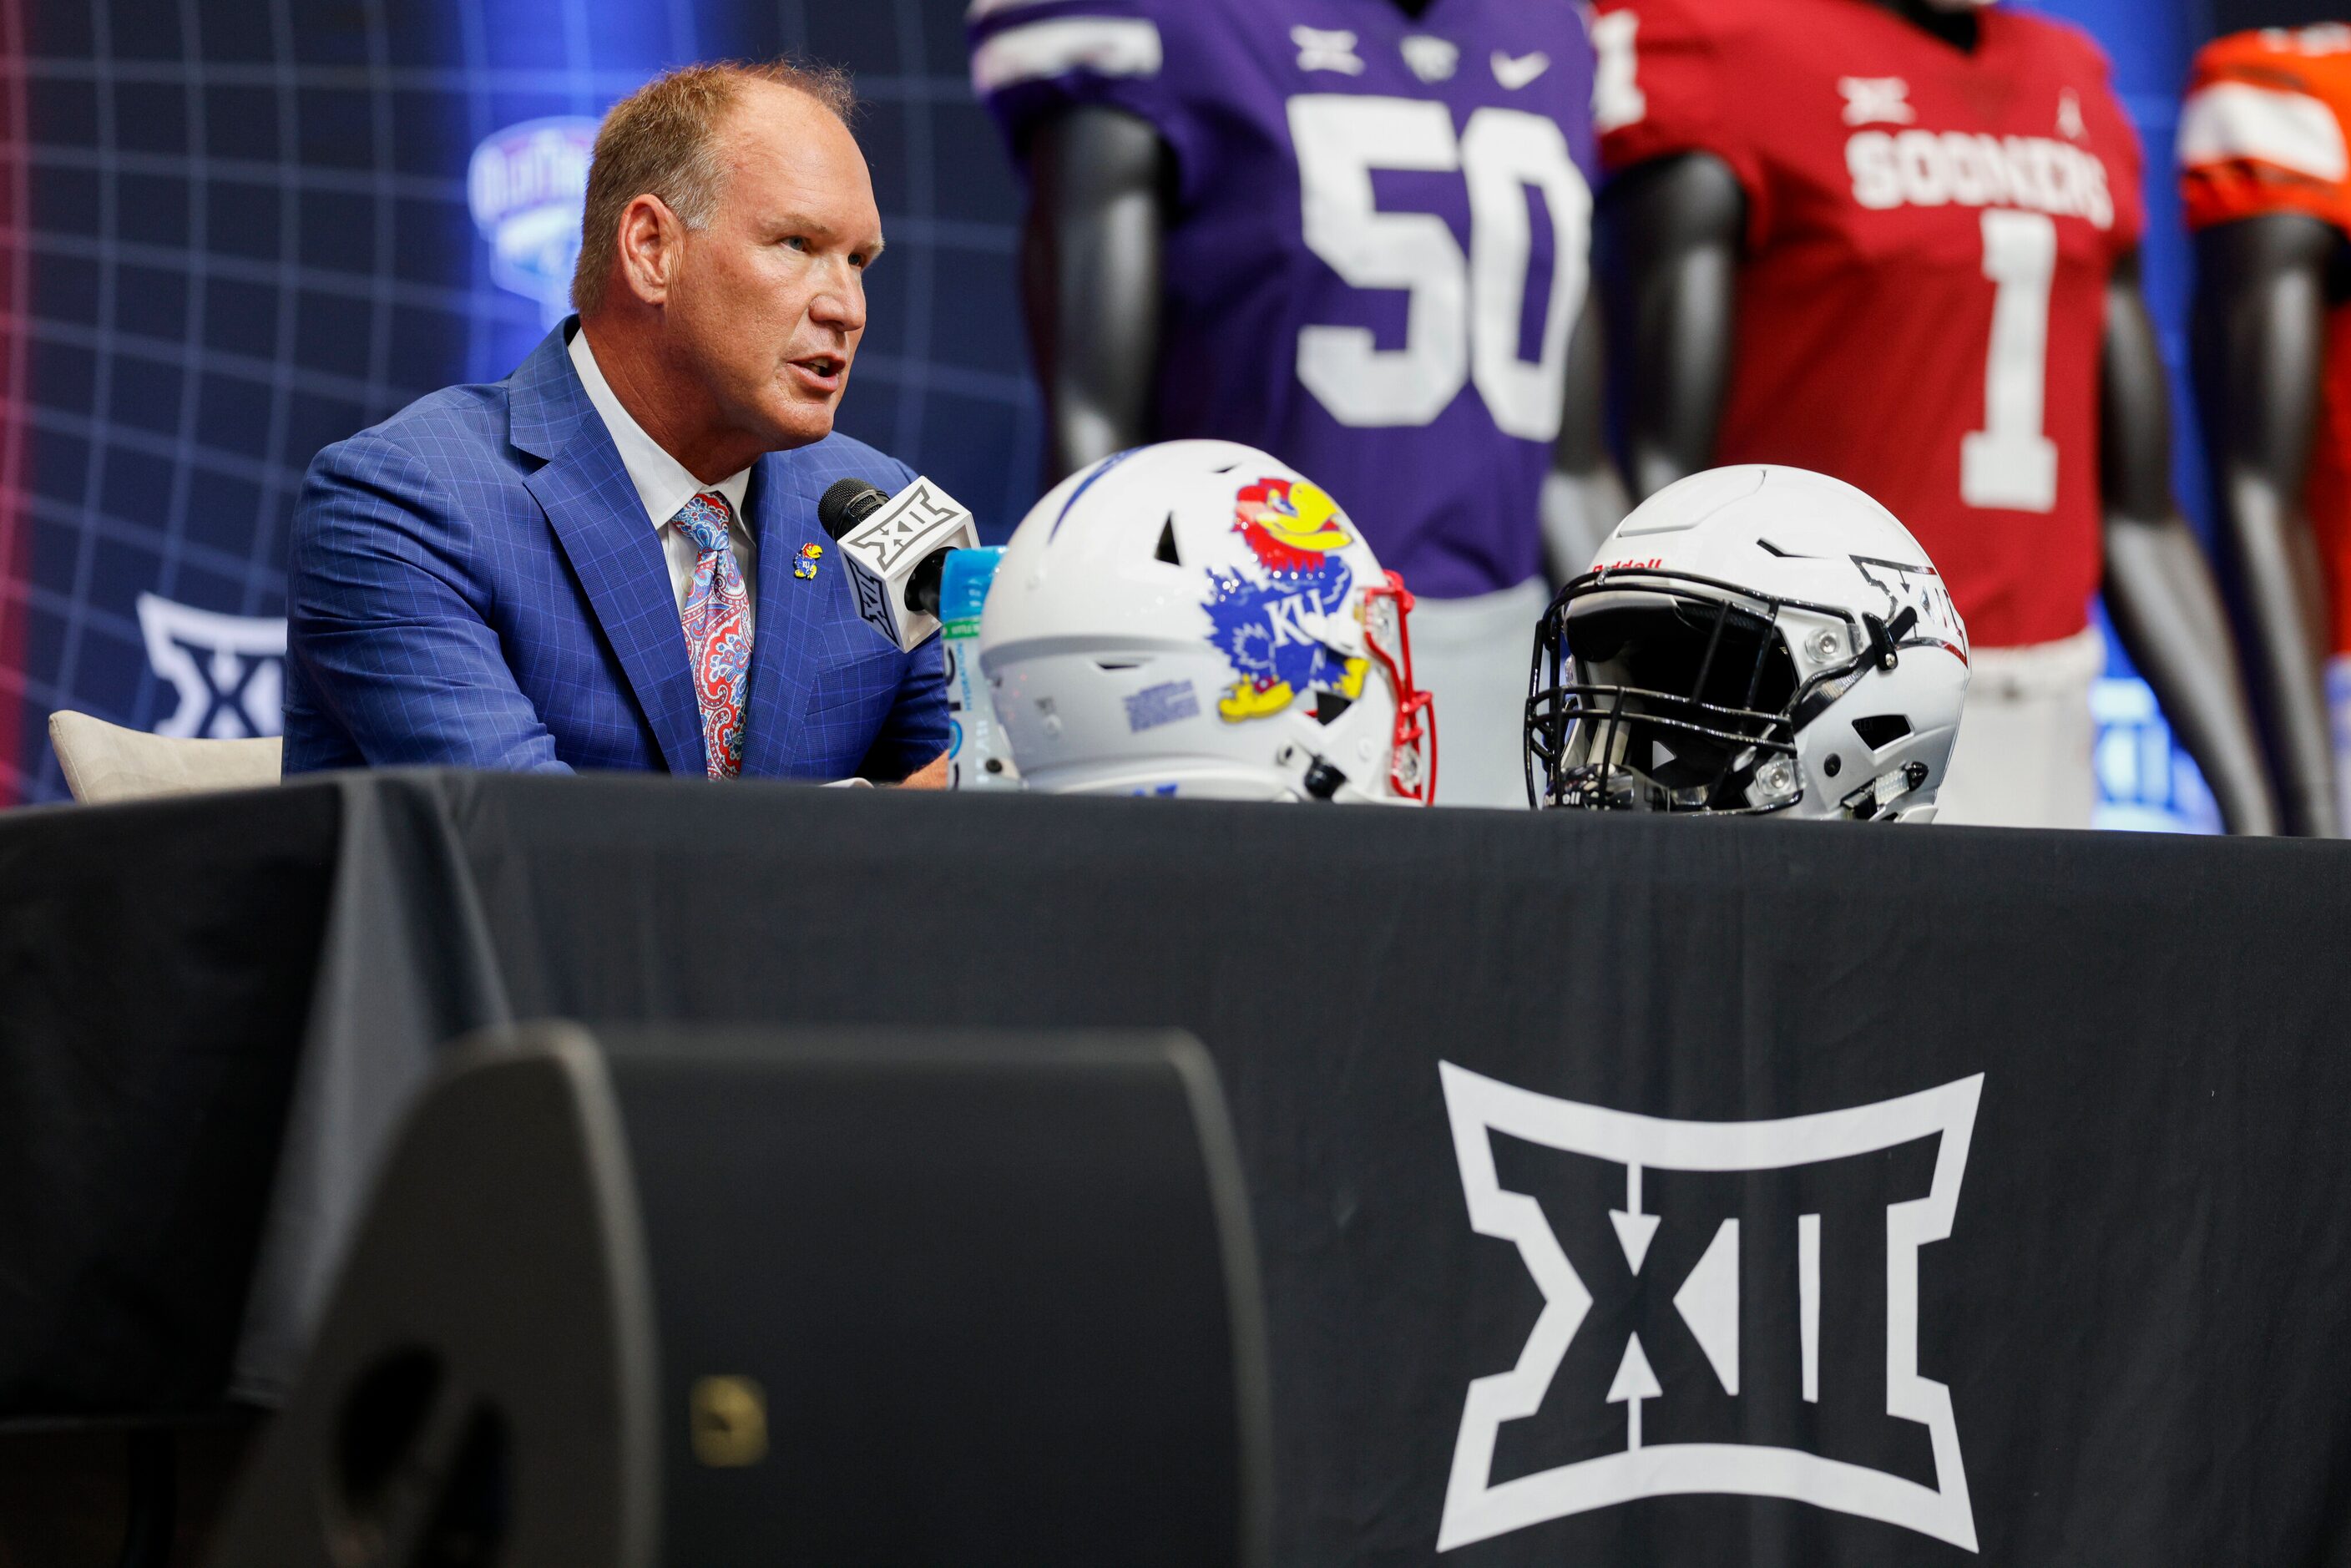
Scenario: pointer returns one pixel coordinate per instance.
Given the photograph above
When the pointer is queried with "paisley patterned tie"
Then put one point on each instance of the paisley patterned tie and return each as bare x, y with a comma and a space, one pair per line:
717, 632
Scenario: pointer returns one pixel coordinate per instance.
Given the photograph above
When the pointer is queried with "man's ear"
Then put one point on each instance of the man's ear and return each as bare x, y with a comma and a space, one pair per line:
651, 241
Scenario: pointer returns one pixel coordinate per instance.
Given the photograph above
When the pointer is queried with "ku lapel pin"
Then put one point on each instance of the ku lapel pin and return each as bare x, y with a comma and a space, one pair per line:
805, 567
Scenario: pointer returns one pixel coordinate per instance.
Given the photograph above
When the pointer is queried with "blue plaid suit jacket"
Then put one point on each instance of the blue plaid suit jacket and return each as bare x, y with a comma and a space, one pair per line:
473, 582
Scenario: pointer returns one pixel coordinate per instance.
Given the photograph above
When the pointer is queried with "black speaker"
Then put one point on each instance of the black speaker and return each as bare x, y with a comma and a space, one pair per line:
703, 1299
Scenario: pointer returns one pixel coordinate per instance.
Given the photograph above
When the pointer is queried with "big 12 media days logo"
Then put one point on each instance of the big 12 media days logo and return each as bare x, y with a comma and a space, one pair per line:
527, 186
1725, 1449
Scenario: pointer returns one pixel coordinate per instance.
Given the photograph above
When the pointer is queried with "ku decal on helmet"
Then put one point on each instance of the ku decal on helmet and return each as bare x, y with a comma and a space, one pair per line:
1297, 532
1195, 618
1750, 640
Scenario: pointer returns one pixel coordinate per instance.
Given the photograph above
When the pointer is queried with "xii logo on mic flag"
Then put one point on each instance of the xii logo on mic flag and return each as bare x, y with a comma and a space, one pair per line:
1681, 1346
884, 553
920, 514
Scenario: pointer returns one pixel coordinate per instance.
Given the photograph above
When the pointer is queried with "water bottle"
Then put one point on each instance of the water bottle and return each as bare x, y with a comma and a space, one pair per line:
977, 757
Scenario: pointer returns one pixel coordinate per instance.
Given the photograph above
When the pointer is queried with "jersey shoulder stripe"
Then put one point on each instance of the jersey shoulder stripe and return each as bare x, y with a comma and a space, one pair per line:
2290, 131
1066, 46
2262, 130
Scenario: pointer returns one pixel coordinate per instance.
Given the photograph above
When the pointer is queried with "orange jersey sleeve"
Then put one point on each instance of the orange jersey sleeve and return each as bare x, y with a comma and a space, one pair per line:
2263, 128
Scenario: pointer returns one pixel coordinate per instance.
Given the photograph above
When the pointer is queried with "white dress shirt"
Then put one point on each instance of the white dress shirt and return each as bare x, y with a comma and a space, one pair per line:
664, 485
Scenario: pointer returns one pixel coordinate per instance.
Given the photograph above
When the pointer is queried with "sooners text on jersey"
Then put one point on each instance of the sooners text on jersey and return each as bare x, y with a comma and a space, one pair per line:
1379, 246
1930, 235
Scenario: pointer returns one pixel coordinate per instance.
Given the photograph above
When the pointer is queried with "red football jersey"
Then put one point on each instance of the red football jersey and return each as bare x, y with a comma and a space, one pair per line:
1929, 239
2265, 131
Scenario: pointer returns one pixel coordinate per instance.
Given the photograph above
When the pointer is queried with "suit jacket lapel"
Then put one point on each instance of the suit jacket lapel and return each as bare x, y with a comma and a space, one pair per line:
783, 518
601, 524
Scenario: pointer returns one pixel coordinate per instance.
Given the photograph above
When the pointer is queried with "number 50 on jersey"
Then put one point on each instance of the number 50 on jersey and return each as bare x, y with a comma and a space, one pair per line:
1463, 314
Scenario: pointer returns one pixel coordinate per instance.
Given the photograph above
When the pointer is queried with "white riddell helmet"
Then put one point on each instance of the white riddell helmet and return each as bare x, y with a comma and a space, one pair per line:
1750, 640
1197, 618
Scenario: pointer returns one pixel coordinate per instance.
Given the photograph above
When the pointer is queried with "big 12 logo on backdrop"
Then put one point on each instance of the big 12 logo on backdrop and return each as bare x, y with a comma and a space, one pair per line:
229, 671
1720, 1431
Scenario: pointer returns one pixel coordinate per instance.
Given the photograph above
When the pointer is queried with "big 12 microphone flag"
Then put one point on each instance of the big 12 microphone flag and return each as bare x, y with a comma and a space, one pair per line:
234, 235
895, 549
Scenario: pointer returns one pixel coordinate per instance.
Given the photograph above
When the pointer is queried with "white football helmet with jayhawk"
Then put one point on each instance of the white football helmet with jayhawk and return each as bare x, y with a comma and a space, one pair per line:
1197, 618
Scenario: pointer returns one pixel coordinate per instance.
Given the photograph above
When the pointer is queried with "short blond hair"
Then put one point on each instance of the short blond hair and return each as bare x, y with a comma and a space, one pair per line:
663, 140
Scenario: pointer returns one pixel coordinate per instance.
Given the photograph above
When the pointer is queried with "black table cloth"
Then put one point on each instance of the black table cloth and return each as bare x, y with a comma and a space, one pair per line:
1643, 1127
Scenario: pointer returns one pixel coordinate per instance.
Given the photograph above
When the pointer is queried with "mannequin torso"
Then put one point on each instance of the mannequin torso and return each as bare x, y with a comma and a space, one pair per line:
2272, 359
1109, 197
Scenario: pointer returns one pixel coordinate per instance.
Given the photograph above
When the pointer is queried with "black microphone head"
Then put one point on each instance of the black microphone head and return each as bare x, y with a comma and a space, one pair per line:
847, 503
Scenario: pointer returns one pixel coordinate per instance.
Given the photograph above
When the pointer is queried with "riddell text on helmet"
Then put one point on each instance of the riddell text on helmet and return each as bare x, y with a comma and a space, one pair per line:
1954, 168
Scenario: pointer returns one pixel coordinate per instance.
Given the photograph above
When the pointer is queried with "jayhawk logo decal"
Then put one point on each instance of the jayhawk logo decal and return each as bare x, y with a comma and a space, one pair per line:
1295, 530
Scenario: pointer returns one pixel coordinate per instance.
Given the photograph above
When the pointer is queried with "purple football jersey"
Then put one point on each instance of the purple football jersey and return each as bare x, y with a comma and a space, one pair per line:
1380, 245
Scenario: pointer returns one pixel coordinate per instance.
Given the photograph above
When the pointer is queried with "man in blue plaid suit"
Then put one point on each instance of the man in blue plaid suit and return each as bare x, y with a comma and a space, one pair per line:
611, 560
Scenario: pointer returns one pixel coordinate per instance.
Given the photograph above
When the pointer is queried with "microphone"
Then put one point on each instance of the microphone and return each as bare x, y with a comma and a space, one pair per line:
895, 548
847, 503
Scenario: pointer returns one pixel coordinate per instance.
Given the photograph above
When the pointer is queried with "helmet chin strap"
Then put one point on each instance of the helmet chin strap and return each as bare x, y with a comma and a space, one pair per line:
1875, 799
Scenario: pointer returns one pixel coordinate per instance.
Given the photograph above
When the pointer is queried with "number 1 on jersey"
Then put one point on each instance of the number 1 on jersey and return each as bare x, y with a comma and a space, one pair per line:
2011, 463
